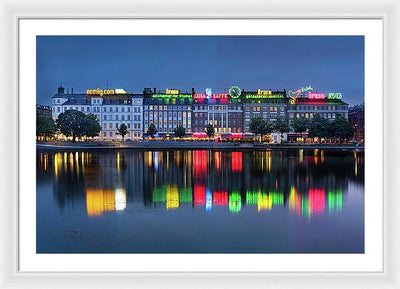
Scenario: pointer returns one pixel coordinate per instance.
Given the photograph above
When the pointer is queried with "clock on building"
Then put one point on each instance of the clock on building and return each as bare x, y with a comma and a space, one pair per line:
235, 91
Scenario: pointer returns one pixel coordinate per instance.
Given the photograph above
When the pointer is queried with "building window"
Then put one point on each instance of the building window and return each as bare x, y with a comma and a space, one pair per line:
105, 134
110, 134
110, 125
105, 125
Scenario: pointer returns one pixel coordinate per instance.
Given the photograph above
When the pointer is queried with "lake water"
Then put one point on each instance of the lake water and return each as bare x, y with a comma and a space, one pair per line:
200, 201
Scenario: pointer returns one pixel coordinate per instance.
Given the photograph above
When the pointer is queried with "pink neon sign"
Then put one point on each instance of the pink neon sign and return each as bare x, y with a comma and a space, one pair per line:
314, 95
214, 96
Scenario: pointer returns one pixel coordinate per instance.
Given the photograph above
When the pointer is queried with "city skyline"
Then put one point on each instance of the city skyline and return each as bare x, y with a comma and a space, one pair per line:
328, 63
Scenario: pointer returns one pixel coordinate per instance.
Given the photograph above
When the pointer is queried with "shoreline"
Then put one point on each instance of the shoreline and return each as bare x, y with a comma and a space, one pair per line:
192, 146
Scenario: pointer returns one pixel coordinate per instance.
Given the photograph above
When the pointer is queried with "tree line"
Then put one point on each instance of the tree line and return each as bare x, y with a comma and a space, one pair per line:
340, 128
71, 123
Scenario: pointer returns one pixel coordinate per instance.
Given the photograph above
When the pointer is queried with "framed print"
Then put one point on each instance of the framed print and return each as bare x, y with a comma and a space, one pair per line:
170, 149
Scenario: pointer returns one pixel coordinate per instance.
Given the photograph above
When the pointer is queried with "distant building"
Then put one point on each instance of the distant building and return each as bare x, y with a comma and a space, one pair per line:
111, 106
43, 110
356, 119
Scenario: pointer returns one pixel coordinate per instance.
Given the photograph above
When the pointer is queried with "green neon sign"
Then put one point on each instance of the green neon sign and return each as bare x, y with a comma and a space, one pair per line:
332, 95
261, 96
171, 95
235, 91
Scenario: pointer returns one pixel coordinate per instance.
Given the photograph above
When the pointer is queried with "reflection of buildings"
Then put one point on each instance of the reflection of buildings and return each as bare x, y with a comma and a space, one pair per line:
307, 182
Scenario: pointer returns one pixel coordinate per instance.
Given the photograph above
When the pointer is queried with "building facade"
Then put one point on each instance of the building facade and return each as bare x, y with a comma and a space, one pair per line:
167, 110
305, 103
111, 107
43, 111
267, 104
356, 119
221, 110
229, 112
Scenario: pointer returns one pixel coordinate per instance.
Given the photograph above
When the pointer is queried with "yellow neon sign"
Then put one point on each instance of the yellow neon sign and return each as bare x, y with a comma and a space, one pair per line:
99, 91
264, 92
171, 91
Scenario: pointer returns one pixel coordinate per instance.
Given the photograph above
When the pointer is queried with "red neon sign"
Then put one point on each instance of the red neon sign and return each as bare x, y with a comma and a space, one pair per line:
314, 95
213, 96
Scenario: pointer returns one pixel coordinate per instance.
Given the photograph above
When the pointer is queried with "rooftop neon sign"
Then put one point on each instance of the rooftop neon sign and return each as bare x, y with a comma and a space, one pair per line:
214, 96
183, 95
172, 91
332, 95
315, 95
235, 91
260, 96
99, 91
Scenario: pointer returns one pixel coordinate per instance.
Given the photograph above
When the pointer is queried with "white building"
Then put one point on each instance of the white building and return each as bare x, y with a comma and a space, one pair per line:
112, 108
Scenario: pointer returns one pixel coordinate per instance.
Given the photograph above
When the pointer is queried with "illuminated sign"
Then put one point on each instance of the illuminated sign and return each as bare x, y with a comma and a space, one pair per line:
172, 91
314, 95
264, 96
215, 96
120, 91
264, 92
172, 95
235, 91
332, 95
306, 88
99, 91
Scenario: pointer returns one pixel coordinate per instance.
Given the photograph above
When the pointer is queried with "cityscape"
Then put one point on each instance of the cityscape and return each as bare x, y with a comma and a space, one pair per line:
229, 113
200, 144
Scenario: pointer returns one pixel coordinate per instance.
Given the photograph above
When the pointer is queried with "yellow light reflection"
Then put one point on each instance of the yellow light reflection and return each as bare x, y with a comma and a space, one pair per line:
118, 161
264, 202
301, 155
172, 197
99, 201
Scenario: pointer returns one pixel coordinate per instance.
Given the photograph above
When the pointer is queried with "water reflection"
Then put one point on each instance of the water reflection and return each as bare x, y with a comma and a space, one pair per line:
306, 183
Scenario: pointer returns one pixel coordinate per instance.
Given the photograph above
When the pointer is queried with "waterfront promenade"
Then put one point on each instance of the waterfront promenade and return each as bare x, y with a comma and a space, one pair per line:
150, 145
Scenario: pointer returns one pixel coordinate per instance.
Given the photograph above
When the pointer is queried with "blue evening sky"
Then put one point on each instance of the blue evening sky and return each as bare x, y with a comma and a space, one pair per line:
327, 63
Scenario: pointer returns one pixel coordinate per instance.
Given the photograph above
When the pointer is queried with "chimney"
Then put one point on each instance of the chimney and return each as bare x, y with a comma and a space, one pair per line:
192, 90
72, 90
155, 90
61, 89
67, 90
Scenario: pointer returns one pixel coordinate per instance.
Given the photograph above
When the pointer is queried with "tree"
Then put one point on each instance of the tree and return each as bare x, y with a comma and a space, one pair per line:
210, 130
282, 125
260, 127
152, 130
300, 125
341, 128
319, 127
92, 127
122, 130
180, 131
72, 123
45, 127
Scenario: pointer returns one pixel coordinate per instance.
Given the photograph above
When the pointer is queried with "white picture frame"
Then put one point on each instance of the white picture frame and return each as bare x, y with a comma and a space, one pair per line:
12, 11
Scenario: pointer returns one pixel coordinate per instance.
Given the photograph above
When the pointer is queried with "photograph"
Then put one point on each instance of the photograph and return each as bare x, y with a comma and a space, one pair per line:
200, 144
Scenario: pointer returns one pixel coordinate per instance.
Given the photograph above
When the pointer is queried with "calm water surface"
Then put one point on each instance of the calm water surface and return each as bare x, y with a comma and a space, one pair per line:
200, 201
